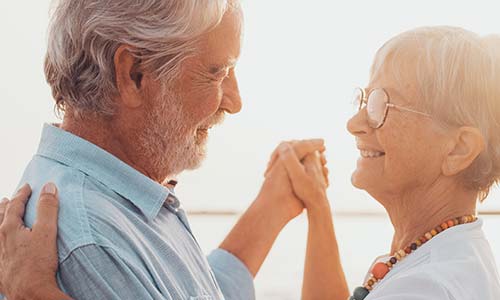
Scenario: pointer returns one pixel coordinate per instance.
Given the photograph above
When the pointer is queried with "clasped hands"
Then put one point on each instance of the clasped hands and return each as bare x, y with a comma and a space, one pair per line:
297, 178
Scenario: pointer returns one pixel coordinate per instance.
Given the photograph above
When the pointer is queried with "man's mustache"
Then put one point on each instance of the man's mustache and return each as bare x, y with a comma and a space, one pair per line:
216, 119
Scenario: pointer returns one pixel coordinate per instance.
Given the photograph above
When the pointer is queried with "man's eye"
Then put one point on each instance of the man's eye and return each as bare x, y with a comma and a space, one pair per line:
222, 74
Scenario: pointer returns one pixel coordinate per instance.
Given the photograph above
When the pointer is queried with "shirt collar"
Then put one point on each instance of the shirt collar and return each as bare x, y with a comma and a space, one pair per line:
73, 151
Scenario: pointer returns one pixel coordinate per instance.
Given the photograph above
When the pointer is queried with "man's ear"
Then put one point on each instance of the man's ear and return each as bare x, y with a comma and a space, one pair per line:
128, 77
464, 147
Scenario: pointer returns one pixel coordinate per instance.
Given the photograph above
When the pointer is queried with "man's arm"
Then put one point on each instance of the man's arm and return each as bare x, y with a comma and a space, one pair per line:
96, 272
253, 236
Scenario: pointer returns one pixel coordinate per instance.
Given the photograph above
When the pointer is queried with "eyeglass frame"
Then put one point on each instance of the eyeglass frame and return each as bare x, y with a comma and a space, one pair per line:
388, 104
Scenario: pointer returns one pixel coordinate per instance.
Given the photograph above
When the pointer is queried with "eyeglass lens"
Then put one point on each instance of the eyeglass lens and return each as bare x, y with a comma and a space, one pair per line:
376, 105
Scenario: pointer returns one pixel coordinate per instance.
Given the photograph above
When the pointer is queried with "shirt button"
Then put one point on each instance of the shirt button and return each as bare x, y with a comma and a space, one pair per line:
173, 202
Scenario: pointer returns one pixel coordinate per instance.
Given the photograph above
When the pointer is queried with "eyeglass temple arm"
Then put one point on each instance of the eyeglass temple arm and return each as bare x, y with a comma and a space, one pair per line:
407, 109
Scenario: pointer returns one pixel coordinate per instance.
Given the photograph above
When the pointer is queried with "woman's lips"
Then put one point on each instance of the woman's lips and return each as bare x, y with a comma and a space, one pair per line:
371, 153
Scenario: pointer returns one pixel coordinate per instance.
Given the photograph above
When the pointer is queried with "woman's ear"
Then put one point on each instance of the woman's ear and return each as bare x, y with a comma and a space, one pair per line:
464, 148
128, 77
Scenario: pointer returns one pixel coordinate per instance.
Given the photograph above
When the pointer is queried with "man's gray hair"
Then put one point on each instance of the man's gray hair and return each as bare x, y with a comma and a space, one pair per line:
85, 34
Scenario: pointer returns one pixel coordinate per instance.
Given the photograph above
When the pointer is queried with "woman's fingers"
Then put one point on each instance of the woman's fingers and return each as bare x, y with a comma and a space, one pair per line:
15, 210
308, 181
306, 147
301, 148
326, 174
323, 158
3, 207
314, 168
47, 211
294, 168
29, 257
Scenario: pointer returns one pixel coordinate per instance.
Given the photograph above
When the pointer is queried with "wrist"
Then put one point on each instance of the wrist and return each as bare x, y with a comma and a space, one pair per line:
320, 208
278, 214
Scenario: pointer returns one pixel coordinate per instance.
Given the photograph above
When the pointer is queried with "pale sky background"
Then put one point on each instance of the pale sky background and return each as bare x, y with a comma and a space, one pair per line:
299, 65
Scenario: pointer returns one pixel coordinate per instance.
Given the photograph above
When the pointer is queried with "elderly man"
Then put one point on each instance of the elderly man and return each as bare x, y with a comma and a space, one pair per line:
140, 84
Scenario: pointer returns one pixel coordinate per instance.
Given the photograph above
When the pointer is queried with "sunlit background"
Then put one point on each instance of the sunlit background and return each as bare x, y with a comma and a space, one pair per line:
299, 65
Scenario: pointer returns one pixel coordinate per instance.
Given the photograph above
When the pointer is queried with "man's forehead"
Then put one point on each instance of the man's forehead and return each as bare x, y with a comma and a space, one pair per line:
222, 45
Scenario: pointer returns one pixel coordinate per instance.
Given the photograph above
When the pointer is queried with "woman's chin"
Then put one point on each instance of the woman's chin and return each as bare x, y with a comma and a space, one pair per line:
356, 180
361, 180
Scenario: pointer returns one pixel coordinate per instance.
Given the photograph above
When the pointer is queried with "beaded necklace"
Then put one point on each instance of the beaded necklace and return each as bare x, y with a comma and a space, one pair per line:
380, 270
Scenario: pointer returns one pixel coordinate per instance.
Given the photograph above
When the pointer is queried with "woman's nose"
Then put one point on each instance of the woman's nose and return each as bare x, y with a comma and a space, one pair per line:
358, 124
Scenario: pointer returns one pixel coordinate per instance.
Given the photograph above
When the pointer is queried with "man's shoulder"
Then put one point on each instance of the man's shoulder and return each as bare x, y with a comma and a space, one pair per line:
87, 209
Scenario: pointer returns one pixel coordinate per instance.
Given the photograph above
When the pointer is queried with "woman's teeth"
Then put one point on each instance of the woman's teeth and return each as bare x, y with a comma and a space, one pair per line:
371, 154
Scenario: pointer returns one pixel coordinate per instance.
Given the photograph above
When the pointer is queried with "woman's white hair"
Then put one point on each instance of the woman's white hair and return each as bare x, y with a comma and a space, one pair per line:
85, 34
457, 76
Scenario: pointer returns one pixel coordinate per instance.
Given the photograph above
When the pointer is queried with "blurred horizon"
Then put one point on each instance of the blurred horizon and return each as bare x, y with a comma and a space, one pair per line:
372, 213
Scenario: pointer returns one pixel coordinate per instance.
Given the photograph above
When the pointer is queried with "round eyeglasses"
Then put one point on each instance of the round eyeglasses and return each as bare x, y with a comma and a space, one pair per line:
377, 103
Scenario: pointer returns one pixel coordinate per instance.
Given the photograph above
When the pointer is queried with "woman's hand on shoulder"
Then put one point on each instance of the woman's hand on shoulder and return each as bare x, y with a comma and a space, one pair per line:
28, 256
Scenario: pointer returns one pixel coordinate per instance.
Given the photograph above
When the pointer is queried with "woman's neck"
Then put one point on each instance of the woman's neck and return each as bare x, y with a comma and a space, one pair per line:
413, 214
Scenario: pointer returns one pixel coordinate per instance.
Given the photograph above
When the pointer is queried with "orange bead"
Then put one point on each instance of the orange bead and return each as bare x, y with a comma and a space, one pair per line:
380, 270
450, 223
428, 236
444, 226
434, 232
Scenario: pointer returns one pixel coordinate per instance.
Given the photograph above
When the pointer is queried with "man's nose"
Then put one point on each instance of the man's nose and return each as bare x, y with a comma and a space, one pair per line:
231, 99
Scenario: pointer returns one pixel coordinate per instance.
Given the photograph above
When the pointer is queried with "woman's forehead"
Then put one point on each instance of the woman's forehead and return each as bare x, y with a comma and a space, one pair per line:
395, 68
401, 90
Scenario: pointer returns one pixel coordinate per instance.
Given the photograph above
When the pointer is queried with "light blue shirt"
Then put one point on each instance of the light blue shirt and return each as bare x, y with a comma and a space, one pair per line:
119, 237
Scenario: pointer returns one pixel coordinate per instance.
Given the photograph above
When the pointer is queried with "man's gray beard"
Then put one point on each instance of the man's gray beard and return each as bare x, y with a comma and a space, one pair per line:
166, 142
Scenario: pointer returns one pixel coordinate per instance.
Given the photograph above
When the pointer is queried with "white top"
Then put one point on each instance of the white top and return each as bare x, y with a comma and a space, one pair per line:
457, 264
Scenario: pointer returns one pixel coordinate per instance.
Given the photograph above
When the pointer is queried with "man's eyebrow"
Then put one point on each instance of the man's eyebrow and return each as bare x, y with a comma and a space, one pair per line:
217, 68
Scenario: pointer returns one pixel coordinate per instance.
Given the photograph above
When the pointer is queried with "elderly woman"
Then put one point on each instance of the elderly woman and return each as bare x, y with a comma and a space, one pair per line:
428, 134
427, 131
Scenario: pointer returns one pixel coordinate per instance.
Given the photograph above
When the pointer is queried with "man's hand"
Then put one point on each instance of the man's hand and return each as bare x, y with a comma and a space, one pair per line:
28, 257
308, 176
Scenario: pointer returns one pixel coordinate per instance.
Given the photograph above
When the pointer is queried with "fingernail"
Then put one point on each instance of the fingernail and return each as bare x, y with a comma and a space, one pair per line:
49, 188
18, 192
4, 200
285, 148
22, 187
